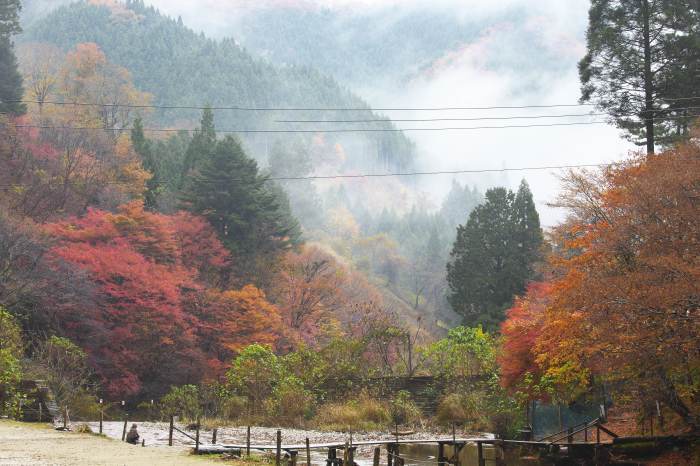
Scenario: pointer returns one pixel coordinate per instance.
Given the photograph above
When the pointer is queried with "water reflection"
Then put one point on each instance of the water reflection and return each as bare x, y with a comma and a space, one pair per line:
413, 455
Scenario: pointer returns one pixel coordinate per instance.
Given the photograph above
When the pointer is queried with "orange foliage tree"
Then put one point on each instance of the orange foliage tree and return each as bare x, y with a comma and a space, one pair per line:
626, 306
233, 319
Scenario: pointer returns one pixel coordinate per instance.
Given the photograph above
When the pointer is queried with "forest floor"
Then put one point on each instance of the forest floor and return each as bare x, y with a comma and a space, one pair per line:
39, 444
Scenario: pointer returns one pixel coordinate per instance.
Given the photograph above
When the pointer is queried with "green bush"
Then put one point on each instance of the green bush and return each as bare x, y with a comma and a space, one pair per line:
11, 350
254, 374
84, 406
182, 401
403, 410
290, 401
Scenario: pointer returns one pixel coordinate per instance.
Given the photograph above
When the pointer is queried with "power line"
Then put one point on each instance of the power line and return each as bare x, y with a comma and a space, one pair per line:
444, 172
343, 130
294, 109
320, 109
335, 130
513, 117
416, 173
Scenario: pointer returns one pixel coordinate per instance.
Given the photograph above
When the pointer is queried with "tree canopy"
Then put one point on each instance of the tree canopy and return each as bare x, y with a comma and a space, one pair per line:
641, 66
493, 256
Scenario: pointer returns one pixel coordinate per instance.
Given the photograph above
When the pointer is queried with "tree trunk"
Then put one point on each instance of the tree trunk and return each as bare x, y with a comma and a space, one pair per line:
648, 80
673, 401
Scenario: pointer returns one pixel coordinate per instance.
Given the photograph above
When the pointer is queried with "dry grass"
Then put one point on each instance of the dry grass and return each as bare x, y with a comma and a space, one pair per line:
364, 413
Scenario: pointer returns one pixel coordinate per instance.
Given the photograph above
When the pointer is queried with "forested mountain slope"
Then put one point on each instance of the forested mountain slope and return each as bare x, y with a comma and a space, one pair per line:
183, 68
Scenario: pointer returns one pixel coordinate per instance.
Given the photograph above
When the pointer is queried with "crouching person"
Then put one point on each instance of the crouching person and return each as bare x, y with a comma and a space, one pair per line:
133, 436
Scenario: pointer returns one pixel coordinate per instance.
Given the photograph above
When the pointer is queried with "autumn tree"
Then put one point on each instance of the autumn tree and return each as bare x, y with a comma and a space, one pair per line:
309, 289
492, 259
137, 328
626, 307
87, 76
522, 329
234, 319
641, 66
40, 64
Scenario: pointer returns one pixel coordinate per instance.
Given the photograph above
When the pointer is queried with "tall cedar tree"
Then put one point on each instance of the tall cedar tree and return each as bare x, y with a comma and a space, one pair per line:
202, 145
251, 217
642, 66
144, 148
493, 256
11, 90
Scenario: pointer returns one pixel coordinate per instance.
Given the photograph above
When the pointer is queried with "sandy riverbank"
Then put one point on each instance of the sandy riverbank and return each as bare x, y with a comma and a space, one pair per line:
35, 444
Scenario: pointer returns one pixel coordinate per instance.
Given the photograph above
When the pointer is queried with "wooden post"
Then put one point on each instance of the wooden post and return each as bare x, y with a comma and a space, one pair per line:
102, 418
480, 454
247, 442
389, 454
351, 456
585, 433
561, 422
441, 454
170, 431
293, 458
143, 442
196, 437
454, 434
597, 433
213, 436
377, 453
345, 454
126, 419
278, 456
65, 417
308, 452
40, 413
569, 436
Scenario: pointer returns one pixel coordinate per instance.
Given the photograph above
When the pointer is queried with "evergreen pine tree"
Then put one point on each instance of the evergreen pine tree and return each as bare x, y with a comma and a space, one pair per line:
144, 148
250, 215
642, 54
11, 91
492, 257
202, 145
528, 232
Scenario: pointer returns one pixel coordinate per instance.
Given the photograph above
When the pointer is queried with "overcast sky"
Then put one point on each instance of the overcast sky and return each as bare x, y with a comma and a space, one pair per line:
466, 77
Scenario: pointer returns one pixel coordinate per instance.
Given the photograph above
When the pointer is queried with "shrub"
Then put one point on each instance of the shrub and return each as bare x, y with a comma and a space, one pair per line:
403, 410
11, 350
462, 408
182, 401
83, 429
84, 406
290, 401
